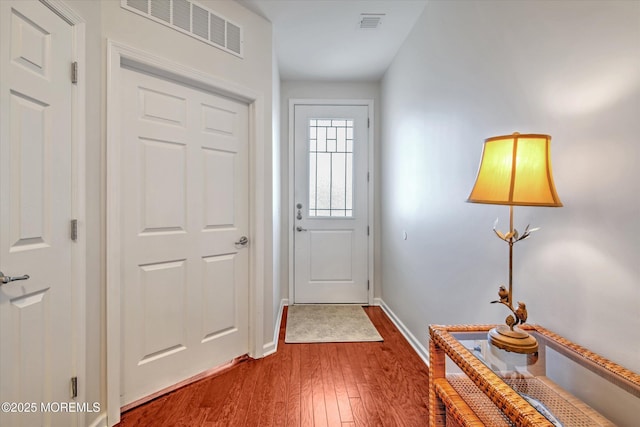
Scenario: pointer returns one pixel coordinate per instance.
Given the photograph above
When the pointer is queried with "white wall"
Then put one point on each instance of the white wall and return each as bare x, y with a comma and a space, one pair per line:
471, 70
106, 20
324, 90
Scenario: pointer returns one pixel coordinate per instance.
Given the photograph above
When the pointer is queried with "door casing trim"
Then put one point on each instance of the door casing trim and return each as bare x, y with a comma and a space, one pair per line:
117, 55
78, 192
370, 188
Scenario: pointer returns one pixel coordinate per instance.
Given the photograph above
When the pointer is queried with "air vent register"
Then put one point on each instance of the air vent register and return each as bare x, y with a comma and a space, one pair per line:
192, 19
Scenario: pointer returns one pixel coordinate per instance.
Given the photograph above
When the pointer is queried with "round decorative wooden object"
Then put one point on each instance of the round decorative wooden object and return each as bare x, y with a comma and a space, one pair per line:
516, 340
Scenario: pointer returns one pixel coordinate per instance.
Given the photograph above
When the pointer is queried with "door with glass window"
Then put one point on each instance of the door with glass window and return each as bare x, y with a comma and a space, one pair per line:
330, 204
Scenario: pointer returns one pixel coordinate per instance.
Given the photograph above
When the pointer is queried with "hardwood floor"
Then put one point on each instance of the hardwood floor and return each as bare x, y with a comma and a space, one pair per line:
334, 384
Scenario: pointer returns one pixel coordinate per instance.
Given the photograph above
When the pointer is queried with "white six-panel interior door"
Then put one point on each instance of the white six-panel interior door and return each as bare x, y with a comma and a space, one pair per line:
37, 341
184, 213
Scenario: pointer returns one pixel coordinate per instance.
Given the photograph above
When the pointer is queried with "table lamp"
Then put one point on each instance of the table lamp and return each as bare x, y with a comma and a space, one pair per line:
515, 170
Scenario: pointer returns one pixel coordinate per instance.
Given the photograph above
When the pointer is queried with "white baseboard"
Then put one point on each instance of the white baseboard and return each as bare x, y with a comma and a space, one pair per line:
101, 421
417, 345
272, 346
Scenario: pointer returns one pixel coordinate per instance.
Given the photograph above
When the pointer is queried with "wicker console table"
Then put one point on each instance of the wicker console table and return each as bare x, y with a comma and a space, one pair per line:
472, 383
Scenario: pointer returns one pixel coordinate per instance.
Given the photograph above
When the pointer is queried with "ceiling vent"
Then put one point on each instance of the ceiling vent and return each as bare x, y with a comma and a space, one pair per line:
370, 21
192, 19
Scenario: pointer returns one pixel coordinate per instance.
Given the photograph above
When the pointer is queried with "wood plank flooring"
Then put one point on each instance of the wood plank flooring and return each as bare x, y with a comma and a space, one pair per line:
306, 385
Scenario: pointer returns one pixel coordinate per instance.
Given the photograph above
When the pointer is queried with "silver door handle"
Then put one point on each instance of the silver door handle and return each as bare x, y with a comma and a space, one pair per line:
298, 228
243, 241
6, 279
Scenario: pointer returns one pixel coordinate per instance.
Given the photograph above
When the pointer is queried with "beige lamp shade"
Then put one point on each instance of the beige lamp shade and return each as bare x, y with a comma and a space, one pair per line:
516, 170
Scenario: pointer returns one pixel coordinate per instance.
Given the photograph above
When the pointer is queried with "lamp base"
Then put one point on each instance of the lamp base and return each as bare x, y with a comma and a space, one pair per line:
516, 340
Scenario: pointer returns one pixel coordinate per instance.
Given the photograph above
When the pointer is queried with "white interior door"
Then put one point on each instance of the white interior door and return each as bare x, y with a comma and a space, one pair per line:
331, 204
184, 212
36, 323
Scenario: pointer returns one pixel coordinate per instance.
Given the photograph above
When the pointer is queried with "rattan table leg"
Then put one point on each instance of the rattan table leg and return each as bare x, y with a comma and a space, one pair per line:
437, 369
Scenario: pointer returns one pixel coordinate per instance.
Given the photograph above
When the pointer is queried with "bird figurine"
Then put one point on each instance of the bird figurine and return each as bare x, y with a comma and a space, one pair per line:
521, 313
519, 316
503, 294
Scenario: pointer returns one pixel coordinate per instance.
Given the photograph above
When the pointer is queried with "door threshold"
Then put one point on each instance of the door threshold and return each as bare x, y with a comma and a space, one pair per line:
209, 373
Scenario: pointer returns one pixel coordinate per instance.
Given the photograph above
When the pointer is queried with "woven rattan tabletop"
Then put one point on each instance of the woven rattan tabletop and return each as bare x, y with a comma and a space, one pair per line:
562, 384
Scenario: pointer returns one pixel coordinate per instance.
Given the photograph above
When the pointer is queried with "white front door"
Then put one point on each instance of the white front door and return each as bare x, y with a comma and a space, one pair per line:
331, 204
184, 213
36, 314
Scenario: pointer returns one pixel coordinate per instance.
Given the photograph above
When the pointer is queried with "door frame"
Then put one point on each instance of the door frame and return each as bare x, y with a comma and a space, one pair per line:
370, 190
78, 195
119, 54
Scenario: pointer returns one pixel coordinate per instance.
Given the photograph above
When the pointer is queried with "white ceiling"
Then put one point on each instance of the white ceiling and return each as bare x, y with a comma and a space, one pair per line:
322, 39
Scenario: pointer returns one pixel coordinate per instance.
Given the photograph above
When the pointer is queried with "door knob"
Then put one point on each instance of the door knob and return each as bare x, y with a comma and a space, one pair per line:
6, 279
243, 241
298, 228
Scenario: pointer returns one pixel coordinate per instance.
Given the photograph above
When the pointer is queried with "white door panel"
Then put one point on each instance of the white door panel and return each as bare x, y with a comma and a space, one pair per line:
332, 255
331, 204
184, 205
36, 323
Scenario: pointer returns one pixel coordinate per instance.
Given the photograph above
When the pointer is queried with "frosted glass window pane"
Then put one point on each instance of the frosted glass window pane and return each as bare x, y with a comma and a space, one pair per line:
322, 139
338, 181
312, 181
342, 140
323, 181
330, 167
349, 179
